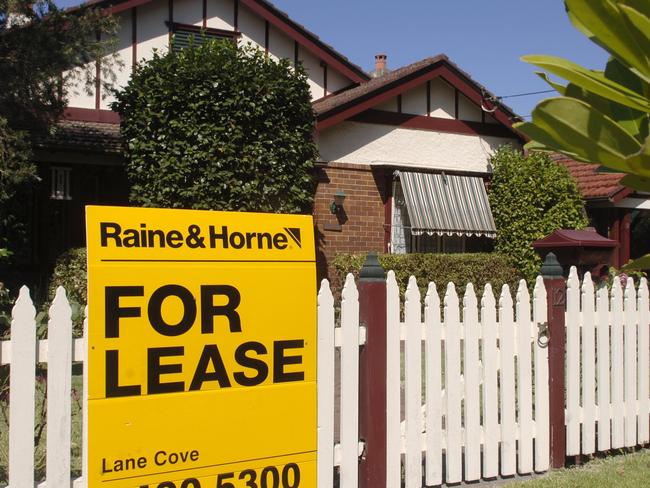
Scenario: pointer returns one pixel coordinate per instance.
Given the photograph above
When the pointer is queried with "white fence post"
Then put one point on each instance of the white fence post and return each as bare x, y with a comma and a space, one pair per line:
325, 380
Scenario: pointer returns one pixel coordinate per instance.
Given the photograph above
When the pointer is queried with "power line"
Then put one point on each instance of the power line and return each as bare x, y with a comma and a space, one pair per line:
526, 94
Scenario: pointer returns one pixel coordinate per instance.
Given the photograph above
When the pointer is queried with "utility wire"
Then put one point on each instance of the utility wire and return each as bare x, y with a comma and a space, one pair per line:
526, 94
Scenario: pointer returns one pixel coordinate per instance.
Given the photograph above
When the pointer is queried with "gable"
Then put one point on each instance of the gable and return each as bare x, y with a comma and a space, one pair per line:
145, 25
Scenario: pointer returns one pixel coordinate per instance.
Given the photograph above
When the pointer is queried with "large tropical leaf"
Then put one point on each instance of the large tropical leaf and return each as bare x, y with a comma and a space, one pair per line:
558, 87
606, 24
638, 264
634, 121
573, 127
593, 81
636, 182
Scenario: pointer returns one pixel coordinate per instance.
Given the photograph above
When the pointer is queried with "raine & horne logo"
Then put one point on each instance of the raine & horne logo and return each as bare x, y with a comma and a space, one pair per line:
113, 234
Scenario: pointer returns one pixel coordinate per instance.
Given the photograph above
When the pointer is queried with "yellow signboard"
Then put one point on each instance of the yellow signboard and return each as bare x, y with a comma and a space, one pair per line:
201, 349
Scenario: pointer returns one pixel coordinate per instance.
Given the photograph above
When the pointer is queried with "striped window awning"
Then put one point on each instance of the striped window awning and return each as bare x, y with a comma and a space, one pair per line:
447, 204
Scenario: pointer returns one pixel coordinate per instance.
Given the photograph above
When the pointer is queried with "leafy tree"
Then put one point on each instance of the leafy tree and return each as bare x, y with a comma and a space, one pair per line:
601, 116
219, 127
531, 196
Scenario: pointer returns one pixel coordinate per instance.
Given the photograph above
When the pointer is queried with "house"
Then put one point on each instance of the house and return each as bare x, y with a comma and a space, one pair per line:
403, 154
615, 211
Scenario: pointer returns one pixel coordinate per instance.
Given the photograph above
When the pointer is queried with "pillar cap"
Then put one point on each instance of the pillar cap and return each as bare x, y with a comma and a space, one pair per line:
551, 269
372, 270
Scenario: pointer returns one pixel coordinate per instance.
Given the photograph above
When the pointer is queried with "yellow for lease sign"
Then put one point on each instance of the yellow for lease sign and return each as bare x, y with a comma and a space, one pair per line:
201, 349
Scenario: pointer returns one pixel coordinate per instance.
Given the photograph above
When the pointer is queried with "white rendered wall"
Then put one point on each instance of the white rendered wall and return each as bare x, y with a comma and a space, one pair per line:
467, 110
442, 99
415, 101
281, 46
336, 81
152, 33
79, 95
188, 12
252, 27
125, 55
354, 142
315, 72
221, 14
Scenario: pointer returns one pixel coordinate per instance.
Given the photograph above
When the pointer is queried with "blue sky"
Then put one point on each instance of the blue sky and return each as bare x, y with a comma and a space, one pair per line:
485, 38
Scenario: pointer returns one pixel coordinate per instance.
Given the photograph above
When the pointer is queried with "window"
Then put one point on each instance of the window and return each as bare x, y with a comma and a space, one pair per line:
184, 34
60, 185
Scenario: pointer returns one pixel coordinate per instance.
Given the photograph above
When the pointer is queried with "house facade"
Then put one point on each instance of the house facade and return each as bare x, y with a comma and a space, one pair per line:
405, 153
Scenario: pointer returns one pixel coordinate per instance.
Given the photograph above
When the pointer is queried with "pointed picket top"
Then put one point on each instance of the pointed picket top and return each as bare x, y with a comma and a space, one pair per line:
325, 297
539, 300
587, 283
350, 291
488, 300
412, 290
643, 294
60, 311
505, 299
432, 299
523, 301
24, 307
451, 297
617, 290
539, 287
630, 295
573, 282
469, 298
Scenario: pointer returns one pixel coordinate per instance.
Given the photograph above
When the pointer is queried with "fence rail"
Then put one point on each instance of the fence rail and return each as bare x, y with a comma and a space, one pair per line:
467, 381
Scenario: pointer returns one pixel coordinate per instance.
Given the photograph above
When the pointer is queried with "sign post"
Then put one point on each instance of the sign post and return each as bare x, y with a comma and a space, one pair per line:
201, 349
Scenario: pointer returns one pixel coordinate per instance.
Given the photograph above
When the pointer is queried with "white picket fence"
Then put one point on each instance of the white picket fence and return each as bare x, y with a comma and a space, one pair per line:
608, 344
467, 383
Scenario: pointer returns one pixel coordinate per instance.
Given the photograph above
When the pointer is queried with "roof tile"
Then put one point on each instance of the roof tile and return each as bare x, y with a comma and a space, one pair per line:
592, 183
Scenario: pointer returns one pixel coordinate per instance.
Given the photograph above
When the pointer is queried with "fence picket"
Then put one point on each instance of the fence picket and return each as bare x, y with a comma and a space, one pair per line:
59, 408
433, 388
540, 316
393, 387
453, 386
525, 380
490, 385
573, 364
643, 363
588, 366
22, 372
472, 386
413, 386
84, 420
603, 365
617, 378
325, 374
630, 332
349, 384
507, 333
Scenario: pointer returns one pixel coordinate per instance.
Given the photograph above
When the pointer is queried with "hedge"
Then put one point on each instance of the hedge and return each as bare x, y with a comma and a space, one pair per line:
475, 268
70, 272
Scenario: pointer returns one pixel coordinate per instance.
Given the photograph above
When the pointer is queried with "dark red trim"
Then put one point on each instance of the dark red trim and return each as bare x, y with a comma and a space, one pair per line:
399, 103
236, 15
620, 194
134, 37
306, 39
91, 115
324, 65
624, 244
266, 37
428, 87
116, 9
175, 26
437, 124
205, 13
388, 91
456, 111
98, 79
615, 235
296, 53
388, 209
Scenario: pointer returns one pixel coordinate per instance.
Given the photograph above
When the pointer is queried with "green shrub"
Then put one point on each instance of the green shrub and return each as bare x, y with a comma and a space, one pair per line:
475, 268
70, 272
531, 196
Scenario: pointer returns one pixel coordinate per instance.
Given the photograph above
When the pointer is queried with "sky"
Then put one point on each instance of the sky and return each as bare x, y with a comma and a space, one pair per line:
485, 38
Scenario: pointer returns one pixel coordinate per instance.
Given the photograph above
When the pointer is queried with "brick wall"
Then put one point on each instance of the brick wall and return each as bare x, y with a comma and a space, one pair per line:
359, 226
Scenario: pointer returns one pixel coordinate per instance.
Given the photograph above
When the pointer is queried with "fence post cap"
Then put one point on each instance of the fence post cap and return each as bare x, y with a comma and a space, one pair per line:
551, 269
372, 270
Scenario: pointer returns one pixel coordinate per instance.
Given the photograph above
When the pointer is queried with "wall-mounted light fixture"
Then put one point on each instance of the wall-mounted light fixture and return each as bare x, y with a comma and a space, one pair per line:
337, 204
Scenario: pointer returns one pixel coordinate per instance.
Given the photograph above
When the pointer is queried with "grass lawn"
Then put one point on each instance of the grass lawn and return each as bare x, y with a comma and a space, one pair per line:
625, 470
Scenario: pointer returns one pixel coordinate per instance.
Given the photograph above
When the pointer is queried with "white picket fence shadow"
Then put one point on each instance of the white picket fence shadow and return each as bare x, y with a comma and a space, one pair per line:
608, 345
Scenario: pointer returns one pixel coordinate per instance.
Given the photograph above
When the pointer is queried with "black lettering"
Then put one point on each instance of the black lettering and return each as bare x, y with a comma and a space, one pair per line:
296, 476
209, 355
280, 361
191, 483
260, 237
155, 233
155, 310
131, 238
275, 477
223, 237
280, 241
159, 462
194, 455
113, 388
253, 363
110, 230
155, 370
209, 310
105, 469
237, 240
113, 311
174, 239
